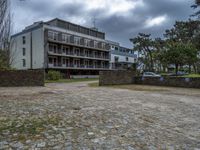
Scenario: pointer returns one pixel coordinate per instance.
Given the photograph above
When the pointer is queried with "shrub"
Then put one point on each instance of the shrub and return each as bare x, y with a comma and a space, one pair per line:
53, 75
134, 67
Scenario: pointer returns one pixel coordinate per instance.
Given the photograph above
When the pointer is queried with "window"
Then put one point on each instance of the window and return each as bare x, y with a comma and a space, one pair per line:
64, 61
24, 40
95, 44
65, 38
53, 48
50, 60
24, 51
93, 33
53, 35
24, 62
83, 30
126, 58
77, 40
116, 59
65, 49
103, 45
116, 48
73, 27
77, 51
50, 34
87, 42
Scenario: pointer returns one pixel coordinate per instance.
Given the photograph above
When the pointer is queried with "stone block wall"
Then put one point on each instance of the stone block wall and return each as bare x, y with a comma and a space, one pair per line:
116, 77
129, 77
169, 81
22, 78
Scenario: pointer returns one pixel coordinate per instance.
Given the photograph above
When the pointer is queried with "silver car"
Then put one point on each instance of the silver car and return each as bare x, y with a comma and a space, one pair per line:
150, 74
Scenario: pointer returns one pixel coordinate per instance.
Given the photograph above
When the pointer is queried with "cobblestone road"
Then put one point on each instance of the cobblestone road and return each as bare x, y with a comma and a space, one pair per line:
78, 117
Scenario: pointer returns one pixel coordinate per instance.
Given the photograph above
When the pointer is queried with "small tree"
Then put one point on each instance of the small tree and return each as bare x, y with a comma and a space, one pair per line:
179, 54
174, 55
53, 75
143, 43
190, 55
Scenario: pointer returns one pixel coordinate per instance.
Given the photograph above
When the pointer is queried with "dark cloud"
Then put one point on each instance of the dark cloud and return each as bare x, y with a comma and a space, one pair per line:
118, 27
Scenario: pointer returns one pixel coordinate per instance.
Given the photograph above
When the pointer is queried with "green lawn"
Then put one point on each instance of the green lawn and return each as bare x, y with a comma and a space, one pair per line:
192, 76
95, 84
71, 80
187, 76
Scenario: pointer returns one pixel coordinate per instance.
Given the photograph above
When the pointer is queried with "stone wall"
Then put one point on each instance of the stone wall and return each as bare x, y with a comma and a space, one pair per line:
116, 77
128, 77
169, 81
22, 78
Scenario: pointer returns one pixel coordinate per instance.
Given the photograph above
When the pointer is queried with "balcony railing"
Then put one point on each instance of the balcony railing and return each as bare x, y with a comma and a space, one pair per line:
79, 66
79, 43
81, 55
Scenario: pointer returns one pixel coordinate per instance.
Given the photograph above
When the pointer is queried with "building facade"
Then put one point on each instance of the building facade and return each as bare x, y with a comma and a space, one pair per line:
61, 45
121, 57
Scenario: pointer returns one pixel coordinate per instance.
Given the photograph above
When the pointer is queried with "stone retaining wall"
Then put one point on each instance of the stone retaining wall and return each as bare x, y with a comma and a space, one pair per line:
169, 81
128, 77
116, 77
22, 78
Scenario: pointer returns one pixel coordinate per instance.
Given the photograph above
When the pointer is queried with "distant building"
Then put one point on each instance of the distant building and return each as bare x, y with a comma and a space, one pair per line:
121, 57
64, 46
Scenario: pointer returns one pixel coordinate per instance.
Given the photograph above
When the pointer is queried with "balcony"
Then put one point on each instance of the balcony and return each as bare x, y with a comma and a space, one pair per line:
79, 55
81, 43
78, 67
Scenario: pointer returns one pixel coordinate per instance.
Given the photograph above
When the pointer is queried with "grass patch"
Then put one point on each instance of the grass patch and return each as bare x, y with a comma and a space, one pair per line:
192, 76
71, 80
133, 87
95, 84
27, 126
141, 88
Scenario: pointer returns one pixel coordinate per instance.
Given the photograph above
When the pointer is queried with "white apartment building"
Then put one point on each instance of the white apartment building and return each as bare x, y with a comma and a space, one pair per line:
121, 57
64, 46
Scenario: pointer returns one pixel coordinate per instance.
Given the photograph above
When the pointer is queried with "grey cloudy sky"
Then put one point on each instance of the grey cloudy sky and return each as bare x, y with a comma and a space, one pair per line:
119, 19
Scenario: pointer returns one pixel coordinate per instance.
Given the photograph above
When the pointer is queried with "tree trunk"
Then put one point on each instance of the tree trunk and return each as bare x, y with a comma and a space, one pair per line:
152, 64
189, 68
176, 69
195, 68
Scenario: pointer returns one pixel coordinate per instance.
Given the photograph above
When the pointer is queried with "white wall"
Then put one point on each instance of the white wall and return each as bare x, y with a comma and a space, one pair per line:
37, 50
121, 58
16, 52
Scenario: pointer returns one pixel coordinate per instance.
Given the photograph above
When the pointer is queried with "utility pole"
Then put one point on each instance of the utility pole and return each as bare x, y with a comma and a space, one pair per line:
94, 19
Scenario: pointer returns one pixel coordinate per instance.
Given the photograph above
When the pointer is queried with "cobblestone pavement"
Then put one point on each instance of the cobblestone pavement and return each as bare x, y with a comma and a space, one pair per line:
78, 117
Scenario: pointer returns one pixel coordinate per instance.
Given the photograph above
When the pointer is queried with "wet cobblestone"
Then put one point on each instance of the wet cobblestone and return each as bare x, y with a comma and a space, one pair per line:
75, 116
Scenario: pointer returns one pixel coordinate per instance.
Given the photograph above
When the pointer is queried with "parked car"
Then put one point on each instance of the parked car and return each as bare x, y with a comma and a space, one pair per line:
179, 73
151, 74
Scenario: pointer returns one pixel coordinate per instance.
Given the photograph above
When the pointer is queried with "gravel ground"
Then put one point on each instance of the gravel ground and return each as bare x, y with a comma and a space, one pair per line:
75, 116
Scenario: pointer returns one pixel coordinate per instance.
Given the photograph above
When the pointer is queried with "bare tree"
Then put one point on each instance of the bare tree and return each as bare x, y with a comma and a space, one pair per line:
5, 24
5, 27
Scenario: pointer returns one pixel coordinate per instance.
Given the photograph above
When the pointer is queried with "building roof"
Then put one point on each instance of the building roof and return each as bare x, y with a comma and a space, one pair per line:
56, 22
75, 27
